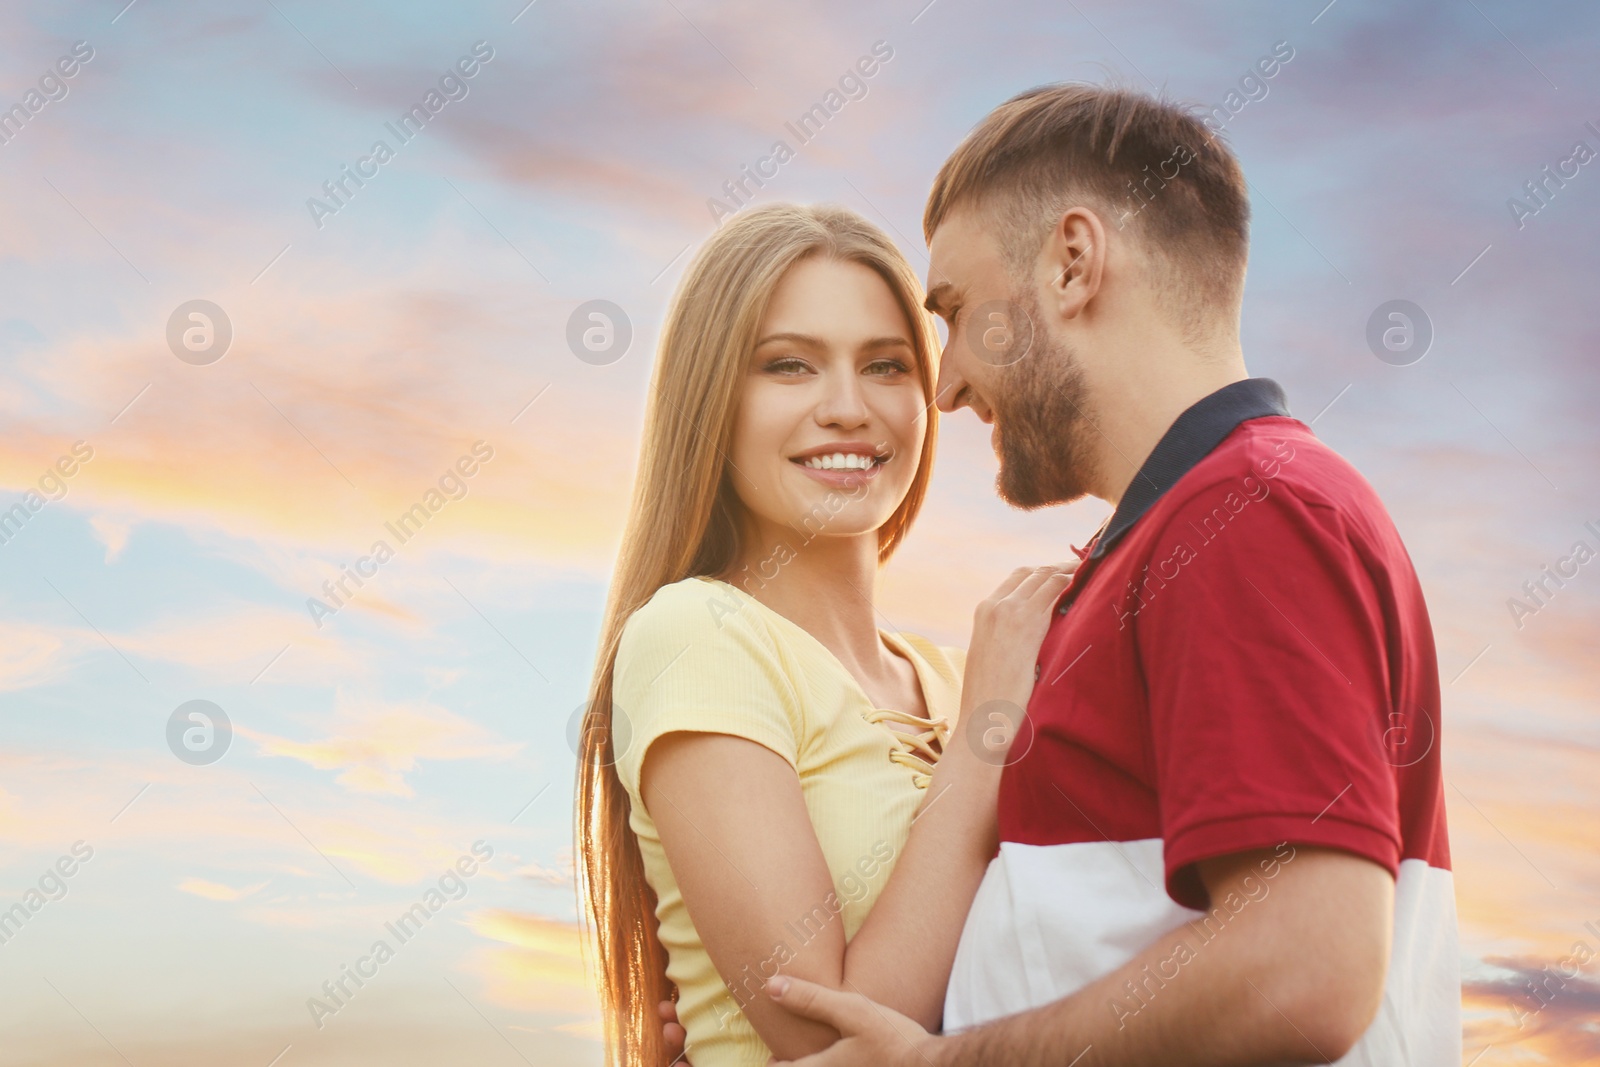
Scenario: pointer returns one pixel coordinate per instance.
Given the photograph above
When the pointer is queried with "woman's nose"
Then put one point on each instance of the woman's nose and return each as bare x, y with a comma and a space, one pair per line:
842, 402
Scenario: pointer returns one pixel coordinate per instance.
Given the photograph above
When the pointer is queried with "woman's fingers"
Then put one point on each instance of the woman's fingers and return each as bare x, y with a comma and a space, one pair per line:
1012, 580
1058, 579
672, 1032
1050, 575
1025, 580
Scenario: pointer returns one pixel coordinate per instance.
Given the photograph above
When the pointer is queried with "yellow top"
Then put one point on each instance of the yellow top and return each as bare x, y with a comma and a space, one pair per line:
704, 655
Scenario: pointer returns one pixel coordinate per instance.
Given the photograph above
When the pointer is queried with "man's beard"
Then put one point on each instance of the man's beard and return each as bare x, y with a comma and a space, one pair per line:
1044, 422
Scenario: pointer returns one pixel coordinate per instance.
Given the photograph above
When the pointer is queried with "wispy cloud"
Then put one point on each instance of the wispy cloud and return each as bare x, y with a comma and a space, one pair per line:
200, 887
537, 963
375, 745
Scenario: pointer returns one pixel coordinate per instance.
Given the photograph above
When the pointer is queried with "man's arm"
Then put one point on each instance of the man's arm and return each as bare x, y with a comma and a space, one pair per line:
1294, 975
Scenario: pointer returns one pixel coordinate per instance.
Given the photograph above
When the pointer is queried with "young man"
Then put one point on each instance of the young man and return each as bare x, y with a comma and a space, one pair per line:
1223, 830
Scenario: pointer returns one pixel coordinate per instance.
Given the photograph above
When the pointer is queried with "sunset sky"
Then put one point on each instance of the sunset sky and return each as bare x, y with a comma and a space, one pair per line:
387, 338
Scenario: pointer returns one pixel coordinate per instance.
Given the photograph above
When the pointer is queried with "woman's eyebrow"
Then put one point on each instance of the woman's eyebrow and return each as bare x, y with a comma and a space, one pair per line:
795, 338
885, 342
810, 341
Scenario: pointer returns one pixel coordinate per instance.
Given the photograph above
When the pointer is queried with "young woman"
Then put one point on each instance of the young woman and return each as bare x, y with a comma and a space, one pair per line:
768, 781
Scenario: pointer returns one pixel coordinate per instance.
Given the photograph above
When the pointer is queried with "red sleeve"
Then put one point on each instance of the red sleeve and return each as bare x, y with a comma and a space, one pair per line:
1262, 641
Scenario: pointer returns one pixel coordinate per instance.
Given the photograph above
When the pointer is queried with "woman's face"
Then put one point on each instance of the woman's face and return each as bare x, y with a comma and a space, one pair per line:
832, 414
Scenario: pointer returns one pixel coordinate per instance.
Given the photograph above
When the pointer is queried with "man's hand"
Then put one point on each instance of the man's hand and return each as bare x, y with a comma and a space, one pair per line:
871, 1034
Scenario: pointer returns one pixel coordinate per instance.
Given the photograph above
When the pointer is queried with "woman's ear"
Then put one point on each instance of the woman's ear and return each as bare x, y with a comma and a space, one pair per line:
1074, 254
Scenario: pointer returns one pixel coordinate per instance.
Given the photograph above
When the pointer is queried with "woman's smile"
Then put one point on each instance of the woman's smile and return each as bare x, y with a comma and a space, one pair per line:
844, 464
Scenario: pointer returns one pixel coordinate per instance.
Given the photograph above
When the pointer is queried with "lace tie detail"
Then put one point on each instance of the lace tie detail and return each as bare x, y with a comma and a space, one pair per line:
914, 750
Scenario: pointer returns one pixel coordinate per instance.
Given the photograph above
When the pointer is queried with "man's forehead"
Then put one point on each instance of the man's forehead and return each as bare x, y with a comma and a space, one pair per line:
955, 236
960, 246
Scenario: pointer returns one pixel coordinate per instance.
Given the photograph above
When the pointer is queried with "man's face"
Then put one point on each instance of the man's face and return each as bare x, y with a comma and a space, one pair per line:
1004, 360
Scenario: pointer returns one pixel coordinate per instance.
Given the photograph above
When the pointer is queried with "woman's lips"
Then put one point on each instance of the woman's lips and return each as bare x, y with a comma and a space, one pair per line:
841, 479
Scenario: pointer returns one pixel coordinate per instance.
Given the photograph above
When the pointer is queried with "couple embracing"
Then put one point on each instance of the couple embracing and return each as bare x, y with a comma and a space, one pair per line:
1179, 801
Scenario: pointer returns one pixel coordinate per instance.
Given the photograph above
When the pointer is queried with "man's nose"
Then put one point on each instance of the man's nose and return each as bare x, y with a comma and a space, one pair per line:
951, 389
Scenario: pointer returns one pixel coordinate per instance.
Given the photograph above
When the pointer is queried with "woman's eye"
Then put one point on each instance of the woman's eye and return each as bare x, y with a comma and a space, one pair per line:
887, 367
786, 365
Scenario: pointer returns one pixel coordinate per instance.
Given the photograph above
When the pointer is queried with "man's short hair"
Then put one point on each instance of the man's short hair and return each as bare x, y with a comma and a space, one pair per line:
1148, 166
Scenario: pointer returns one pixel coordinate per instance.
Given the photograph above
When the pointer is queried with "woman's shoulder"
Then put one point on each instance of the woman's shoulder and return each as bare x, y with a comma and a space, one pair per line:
675, 599
694, 609
695, 657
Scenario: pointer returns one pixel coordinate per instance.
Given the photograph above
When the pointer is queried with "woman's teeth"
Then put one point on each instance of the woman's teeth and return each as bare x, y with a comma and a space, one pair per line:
846, 461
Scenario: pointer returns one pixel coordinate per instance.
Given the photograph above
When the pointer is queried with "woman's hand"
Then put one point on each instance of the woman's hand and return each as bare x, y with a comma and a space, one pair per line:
1007, 629
672, 1031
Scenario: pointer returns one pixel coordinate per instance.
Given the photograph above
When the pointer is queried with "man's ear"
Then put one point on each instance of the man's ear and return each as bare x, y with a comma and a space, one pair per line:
1074, 254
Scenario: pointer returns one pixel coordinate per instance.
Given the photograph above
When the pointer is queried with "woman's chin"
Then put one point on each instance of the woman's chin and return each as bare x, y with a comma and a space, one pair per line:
838, 516
816, 503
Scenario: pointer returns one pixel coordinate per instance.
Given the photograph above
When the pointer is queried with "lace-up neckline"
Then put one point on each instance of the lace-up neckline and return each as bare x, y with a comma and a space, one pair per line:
913, 750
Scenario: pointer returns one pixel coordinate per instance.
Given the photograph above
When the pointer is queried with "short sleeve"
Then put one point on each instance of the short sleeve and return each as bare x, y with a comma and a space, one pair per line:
695, 658
1262, 638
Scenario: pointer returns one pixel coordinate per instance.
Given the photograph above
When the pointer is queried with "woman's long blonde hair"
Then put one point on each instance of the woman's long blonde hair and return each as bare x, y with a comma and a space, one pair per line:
684, 521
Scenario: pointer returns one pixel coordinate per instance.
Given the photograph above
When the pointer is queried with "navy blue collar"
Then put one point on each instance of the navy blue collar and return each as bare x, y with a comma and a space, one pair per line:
1189, 439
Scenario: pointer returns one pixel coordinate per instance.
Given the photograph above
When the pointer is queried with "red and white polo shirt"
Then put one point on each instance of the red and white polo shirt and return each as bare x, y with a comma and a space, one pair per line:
1243, 661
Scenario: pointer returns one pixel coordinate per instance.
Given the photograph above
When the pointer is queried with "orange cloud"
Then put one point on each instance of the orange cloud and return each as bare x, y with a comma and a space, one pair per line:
251, 822
537, 963
1538, 1010
378, 744
317, 445
238, 642
216, 890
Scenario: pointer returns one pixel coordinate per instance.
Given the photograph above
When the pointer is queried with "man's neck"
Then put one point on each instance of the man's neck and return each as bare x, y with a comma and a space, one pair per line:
1136, 410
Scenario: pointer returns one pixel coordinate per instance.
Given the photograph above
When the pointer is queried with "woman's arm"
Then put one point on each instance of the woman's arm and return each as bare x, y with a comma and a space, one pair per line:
907, 944
736, 832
